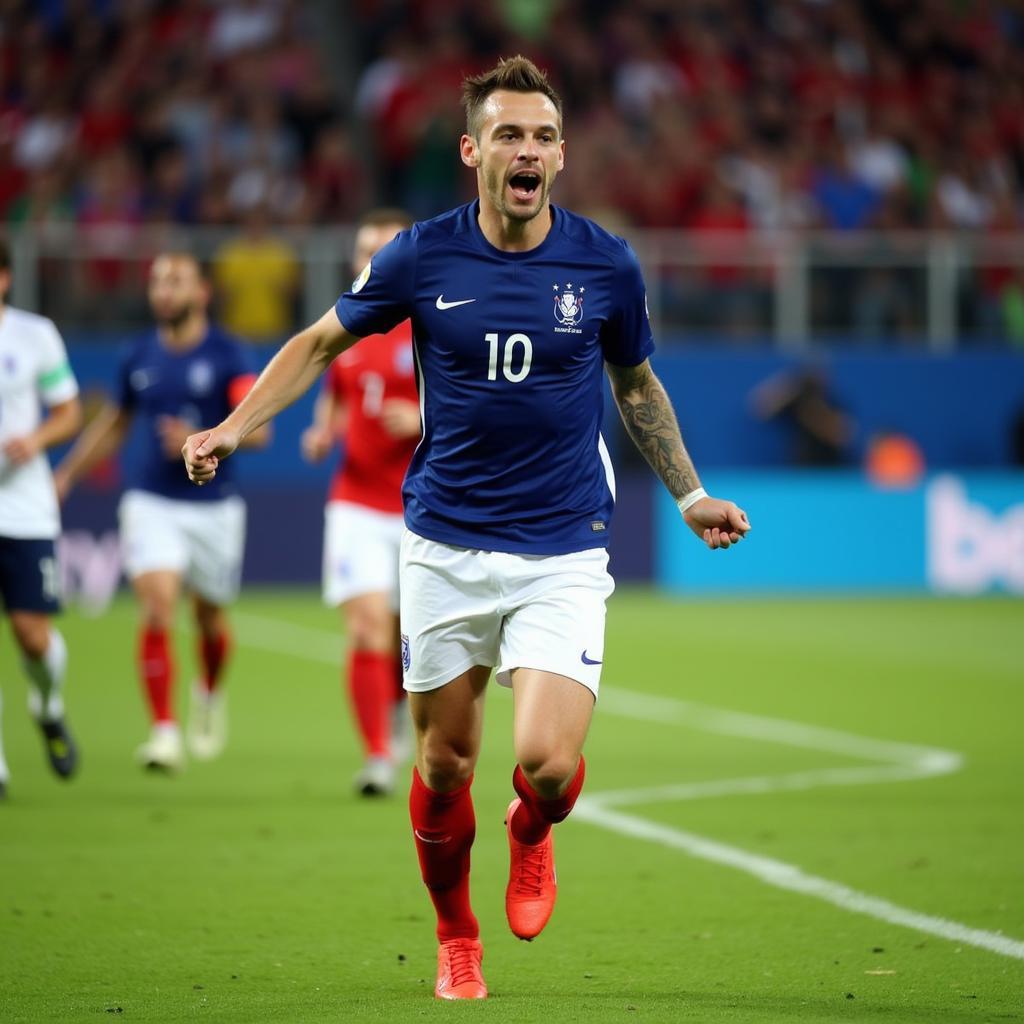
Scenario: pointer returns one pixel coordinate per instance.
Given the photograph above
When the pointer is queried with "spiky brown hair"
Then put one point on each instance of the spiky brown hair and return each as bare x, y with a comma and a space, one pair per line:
515, 74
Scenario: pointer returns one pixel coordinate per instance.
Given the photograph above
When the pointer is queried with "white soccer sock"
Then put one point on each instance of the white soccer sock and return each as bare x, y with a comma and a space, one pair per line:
46, 674
4, 773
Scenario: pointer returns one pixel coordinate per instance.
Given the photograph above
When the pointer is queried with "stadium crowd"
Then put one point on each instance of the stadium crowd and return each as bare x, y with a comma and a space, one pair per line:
731, 116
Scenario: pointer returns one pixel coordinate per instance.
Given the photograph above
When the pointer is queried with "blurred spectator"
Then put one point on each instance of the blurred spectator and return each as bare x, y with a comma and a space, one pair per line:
105, 123
243, 25
821, 432
256, 276
335, 178
833, 115
110, 274
846, 201
170, 195
46, 201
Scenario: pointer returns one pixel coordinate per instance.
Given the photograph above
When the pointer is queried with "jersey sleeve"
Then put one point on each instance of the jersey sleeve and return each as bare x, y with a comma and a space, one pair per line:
381, 296
56, 380
626, 339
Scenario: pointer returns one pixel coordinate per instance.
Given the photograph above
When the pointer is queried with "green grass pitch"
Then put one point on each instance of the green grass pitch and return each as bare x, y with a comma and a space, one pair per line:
257, 888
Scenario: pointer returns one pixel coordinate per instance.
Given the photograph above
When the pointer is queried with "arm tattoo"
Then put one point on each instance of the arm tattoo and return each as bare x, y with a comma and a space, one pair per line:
651, 423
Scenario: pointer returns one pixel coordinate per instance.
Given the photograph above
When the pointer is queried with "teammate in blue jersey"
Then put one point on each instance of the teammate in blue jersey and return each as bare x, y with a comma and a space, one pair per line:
517, 306
182, 373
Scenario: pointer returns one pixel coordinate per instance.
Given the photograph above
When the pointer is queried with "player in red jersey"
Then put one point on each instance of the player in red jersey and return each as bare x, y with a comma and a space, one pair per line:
369, 398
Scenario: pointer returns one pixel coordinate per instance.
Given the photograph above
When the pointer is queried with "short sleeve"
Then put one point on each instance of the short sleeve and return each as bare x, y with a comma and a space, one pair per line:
626, 338
381, 296
56, 380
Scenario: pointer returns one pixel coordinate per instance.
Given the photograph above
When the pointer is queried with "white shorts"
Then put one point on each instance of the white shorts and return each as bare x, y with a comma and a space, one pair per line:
360, 552
203, 541
464, 607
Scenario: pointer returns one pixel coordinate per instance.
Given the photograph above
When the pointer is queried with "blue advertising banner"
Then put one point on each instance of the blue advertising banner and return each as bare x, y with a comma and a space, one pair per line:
834, 531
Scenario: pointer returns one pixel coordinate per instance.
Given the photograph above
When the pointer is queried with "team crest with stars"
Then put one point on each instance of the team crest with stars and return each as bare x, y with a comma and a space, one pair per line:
568, 304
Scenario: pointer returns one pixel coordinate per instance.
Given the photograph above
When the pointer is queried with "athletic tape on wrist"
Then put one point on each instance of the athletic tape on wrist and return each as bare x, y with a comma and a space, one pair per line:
688, 500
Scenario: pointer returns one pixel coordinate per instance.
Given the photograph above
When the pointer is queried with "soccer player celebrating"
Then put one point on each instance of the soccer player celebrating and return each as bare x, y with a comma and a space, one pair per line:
516, 305
370, 398
34, 370
176, 376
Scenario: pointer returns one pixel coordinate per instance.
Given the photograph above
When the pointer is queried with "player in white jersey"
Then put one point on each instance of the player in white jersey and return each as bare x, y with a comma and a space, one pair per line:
34, 371
518, 309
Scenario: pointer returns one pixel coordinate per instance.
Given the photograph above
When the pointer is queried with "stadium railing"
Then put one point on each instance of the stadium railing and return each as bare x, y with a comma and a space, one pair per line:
795, 291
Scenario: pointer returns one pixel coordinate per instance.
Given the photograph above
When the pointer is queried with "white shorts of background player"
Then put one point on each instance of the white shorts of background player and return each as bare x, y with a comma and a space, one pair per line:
203, 541
361, 548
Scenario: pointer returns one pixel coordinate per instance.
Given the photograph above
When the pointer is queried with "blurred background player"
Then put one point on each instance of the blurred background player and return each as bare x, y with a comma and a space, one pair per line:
369, 397
34, 371
178, 374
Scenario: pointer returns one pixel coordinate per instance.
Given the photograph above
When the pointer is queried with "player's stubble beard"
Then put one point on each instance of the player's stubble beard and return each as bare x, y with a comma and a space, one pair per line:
495, 184
176, 319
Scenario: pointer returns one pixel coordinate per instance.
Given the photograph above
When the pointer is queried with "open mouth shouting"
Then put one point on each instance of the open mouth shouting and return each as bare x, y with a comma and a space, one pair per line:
524, 185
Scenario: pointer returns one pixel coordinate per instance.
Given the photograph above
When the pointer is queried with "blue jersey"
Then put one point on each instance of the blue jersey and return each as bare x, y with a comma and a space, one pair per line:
509, 348
195, 386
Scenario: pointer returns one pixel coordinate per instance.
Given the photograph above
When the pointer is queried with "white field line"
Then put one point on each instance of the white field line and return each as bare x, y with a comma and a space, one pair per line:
791, 878
289, 639
894, 761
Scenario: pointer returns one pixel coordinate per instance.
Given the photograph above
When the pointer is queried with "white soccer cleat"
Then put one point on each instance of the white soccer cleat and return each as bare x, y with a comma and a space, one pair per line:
376, 777
207, 732
163, 751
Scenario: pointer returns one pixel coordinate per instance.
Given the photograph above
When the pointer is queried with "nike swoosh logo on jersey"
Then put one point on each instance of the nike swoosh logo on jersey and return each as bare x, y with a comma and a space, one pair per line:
441, 304
419, 835
588, 661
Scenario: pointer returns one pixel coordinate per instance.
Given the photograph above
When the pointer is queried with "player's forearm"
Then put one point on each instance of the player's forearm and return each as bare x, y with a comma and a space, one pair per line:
259, 438
62, 423
100, 439
651, 423
286, 377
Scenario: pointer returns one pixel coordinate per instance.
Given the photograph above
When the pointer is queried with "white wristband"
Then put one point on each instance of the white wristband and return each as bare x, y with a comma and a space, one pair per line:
688, 500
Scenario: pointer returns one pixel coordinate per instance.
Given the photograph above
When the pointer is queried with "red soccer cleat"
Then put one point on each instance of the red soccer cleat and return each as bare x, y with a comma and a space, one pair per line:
530, 896
458, 970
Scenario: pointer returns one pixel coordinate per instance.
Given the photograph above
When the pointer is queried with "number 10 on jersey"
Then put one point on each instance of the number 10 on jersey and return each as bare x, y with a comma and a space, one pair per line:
511, 344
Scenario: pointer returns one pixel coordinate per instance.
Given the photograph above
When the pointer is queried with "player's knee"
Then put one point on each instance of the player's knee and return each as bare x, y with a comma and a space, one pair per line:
369, 632
442, 766
548, 775
157, 616
211, 621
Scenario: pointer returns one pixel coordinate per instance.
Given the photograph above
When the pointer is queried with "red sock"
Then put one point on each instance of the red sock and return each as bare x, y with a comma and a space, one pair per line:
157, 670
213, 654
443, 826
371, 688
535, 815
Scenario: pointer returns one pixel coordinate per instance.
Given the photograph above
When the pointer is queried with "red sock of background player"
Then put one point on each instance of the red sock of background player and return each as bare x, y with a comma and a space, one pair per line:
156, 667
371, 689
444, 826
213, 655
534, 817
